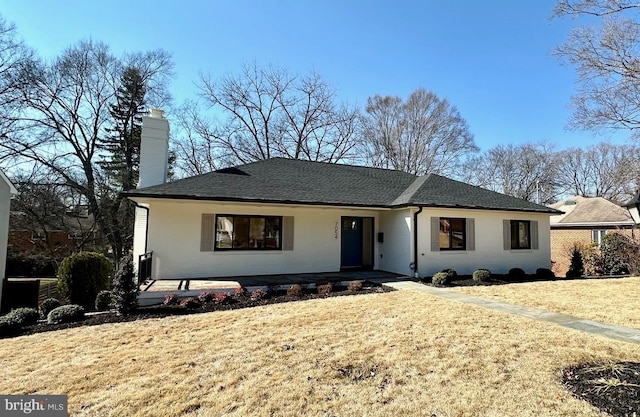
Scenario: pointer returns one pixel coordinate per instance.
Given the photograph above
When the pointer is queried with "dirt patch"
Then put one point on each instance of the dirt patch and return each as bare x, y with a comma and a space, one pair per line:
613, 387
233, 303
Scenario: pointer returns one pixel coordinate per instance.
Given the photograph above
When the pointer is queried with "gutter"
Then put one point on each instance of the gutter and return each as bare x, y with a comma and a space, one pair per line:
415, 242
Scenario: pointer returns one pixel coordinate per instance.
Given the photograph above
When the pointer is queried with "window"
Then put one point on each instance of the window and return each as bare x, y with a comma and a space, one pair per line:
597, 235
520, 234
248, 232
452, 234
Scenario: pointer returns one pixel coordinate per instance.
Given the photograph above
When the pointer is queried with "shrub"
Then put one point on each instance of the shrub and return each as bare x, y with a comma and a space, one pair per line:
206, 296
222, 298
104, 300
481, 275
451, 273
191, 302
295, 290
258, 294
21, 317
324, 289
66, 314
48, 305
240, 291
440, 278
618, 253
82, 276
7, 327
516, 275
545, 273
354, 286
125, 288
576, 268
170, 299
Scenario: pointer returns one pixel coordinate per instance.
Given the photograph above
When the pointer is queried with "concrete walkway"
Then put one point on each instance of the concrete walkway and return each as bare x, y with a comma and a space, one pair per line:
625, 334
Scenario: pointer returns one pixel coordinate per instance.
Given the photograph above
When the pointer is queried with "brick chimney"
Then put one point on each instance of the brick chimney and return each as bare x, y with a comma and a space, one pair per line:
154, 149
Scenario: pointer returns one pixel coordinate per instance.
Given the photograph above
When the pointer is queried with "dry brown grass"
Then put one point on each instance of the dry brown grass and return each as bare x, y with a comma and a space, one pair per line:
608, 300
391, 354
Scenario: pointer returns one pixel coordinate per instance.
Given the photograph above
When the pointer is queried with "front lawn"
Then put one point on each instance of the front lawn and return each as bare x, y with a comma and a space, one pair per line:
388, 354
612, 300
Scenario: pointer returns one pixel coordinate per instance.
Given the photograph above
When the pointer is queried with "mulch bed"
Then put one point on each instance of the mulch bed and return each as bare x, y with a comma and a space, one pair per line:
612, 388
236, 302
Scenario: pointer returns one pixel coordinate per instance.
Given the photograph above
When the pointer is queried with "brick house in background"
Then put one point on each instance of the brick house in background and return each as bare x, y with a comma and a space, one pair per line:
584, 220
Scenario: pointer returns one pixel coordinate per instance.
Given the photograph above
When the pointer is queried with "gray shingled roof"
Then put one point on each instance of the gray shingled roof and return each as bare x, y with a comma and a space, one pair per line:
580, 210
279, 180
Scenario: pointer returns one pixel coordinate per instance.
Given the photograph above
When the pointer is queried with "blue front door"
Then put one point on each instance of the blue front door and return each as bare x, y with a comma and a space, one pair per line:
351, 253
357, 243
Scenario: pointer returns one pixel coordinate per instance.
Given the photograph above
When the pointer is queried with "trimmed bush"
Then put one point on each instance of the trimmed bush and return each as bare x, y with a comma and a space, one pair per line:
451, 273
222, 298
545, 274
48, 305
21, 317
325, 289
240, 291
104, 300
66, 314
125, 288
516, 275
206, 296
190, 302
82, 276
440, 278
7, 327
481, 275
170, 299
354, 286
295, 290
444, 277
258, 294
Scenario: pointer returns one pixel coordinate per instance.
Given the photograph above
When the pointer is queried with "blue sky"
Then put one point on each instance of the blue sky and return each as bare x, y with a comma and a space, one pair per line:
491, 59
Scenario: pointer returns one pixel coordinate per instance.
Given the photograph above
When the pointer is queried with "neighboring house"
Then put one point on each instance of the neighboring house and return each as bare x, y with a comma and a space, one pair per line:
7, 190
57, 236
280, 216
584, 220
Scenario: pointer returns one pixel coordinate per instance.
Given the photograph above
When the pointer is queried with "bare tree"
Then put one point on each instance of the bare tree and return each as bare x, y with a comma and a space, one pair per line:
423, 135
267, 112
607, 61
603, 170
525, 171
197, 149
14, 54
65, 111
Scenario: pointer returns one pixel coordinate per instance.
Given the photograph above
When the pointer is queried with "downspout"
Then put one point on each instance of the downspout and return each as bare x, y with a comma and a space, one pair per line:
415, 242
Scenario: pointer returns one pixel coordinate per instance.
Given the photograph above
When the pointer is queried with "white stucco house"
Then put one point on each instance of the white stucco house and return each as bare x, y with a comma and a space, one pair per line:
280, 216
7, 190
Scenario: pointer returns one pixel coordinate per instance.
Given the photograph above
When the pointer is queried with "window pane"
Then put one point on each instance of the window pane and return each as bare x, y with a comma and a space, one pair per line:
256, 232
514, 235
444, 233
272, 233
524, 234
451, 235
241, 232
457, 233
224, 232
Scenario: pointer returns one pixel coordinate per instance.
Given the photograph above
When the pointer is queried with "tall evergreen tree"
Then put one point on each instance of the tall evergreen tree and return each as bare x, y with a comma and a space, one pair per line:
121, 159
123, 143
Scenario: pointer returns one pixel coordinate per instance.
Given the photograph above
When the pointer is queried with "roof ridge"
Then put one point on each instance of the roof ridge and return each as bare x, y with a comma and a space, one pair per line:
407, 195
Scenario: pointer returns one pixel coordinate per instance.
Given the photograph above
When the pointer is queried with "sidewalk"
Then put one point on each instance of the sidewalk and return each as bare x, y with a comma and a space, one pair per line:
624, 334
